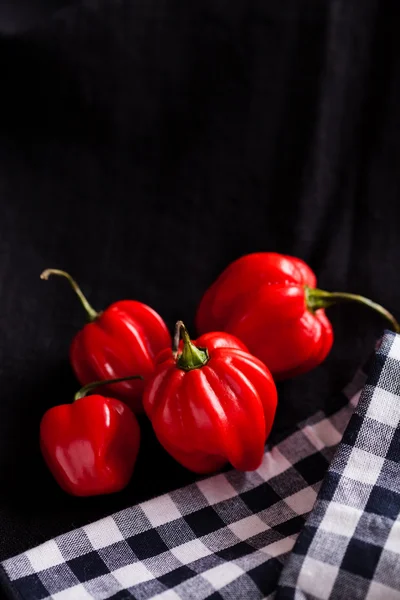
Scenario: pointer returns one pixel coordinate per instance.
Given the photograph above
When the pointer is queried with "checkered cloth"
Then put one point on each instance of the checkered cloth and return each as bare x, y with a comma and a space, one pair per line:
225, 537
350, 545
230, 536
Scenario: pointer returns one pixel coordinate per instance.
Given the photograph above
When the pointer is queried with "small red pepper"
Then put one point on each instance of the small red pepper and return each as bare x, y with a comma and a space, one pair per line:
270, 301
123, 339
212, 403
91, 445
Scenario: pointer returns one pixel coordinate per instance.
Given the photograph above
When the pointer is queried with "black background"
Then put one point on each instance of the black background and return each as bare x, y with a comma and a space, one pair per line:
143, 146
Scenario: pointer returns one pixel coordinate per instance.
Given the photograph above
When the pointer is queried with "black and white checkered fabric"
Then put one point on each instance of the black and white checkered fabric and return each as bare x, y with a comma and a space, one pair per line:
350, 545
225, 537
234, 535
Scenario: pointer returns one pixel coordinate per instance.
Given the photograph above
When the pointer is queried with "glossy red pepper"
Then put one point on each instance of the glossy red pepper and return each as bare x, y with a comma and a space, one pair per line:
271, 303
212, 403
123, 339
91, 445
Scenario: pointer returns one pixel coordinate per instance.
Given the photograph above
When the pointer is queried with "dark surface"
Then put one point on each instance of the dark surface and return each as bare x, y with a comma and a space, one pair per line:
143, 146
19, 15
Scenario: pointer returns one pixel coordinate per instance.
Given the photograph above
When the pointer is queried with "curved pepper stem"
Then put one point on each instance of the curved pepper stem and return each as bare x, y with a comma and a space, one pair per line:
191, 356
91, 313
95, 384
316, 299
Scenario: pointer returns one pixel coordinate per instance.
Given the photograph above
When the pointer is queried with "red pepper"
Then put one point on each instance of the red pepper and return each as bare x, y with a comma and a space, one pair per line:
91, 445
270, 301
123, 339
212, 403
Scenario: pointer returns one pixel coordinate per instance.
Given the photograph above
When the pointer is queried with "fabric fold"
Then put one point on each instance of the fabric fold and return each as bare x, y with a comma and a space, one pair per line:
350, 544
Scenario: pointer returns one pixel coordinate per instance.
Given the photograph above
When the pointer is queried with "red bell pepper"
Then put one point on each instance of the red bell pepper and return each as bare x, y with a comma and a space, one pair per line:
123, 339
211, 403
91, 445
270, 301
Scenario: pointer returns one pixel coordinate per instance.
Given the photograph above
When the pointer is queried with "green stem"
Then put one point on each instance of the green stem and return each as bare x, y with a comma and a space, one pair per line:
91, 313
191, 356
316, 299
91, 386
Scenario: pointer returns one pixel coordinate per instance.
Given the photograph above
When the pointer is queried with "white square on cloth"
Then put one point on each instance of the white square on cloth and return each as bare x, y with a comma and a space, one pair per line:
303, 501
379, 591
384, 407
363, 466
46, 556
190, 551
323, 434
341, 519
279, 547
216, 489
167, 595
104, 533
221, 575
273, 464
161, 510
132, 575
248, 527
317, 578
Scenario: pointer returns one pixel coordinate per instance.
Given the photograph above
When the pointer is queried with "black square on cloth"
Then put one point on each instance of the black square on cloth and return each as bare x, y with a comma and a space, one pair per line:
312, 468
204, 521
351, 433
260, 498
177, 576
236, 551
370, 556
88, 566
147, 544
394, 448
121, 595
303, 542
290, 527
31, 586
331, 482
383, 502
375, 372
266, 584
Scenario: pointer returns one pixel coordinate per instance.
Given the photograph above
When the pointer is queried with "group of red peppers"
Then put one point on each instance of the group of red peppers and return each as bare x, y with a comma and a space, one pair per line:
210, 401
